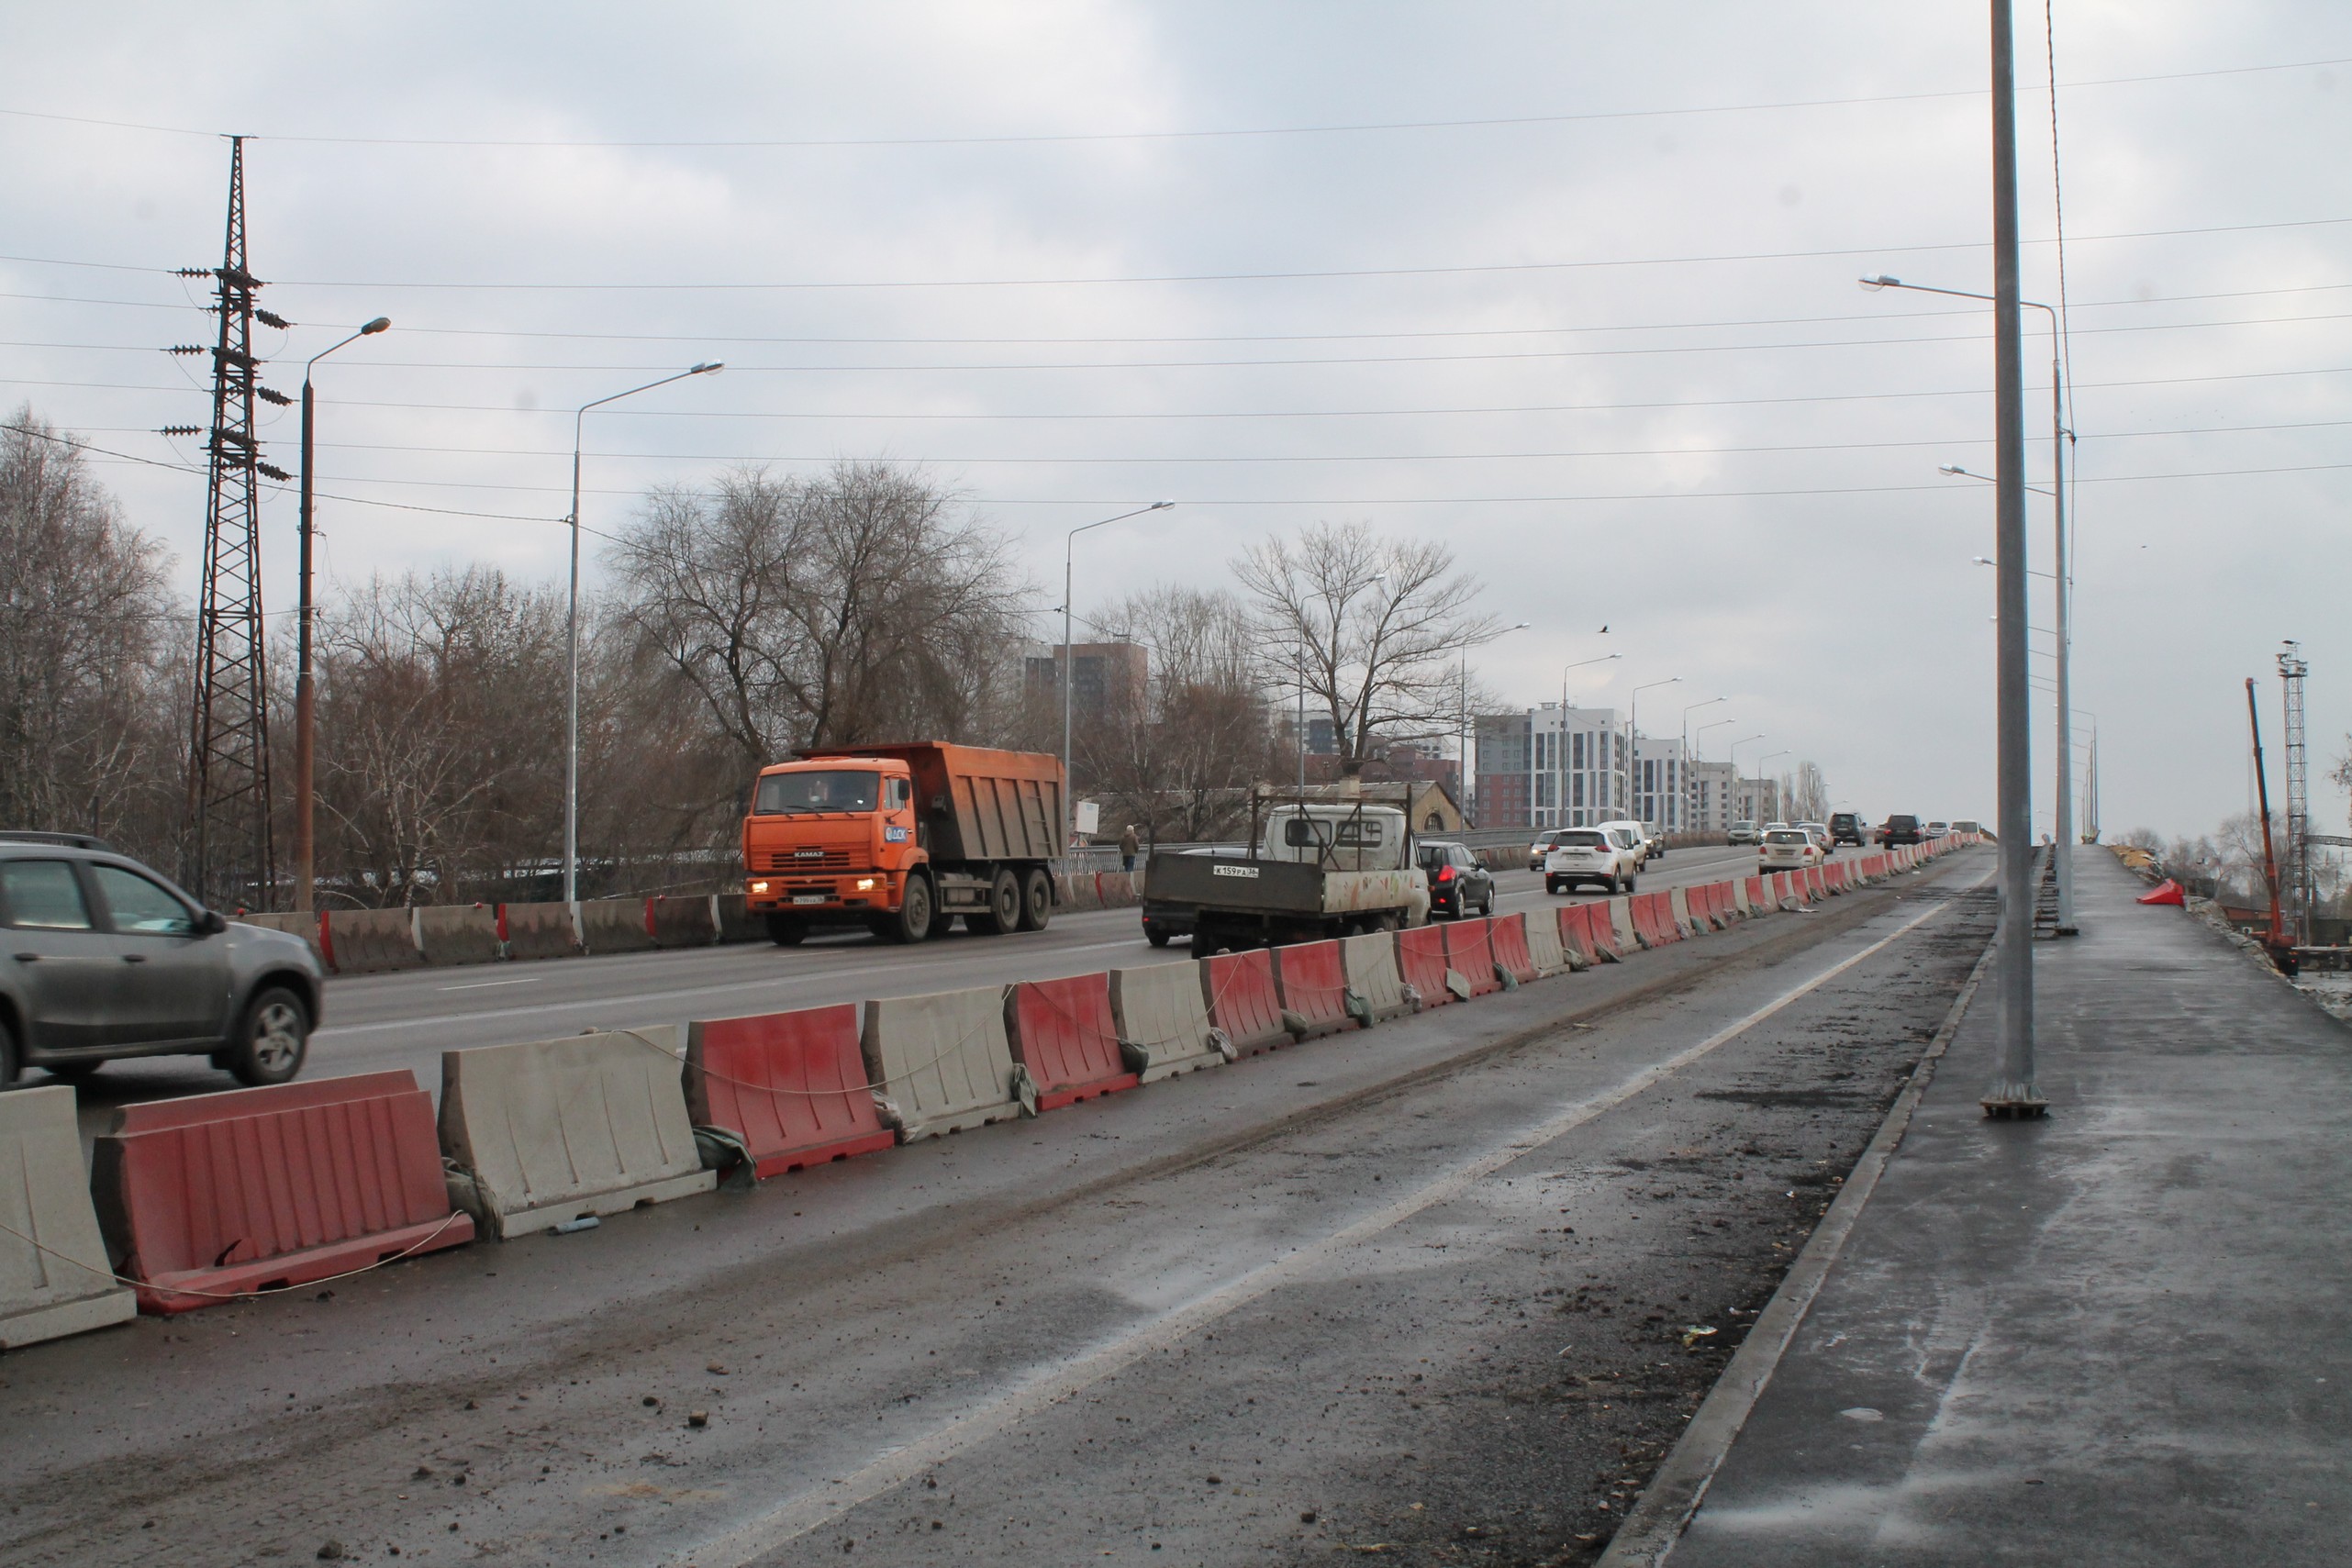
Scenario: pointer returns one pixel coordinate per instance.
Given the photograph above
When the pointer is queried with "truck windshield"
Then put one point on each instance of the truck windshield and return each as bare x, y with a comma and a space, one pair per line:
787, 795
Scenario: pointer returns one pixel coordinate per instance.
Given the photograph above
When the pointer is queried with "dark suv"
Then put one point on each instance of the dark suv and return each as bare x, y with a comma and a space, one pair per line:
1846, 827
1899, 830
101, 957
1458, 885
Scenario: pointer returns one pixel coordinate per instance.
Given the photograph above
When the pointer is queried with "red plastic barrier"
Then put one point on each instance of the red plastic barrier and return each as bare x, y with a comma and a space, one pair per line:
791, 1086
1063, 1032
1510, 936
1654, 921
1312, 980
1576, 932
1599, 931
1470, 953
1721, 908
2165, 892
1817, 882
1421, 963
257, 1189
1242, 1000
1759, 893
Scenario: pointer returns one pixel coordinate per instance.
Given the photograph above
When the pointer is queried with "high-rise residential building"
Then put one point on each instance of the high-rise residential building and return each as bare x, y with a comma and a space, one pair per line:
1108, 677
1714, 792
1550, 768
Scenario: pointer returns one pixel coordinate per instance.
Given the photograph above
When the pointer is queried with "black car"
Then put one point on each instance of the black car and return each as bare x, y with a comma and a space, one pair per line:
1899, 830
1458, 885
1846, 827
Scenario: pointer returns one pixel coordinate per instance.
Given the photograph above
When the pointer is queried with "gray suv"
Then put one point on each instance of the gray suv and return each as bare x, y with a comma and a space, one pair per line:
101, 957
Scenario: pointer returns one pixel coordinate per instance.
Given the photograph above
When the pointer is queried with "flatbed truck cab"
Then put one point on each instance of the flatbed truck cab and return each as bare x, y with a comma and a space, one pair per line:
901, 839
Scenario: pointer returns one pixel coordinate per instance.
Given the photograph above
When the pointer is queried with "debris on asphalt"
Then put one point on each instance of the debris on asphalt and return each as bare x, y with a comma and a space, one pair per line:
698, 1418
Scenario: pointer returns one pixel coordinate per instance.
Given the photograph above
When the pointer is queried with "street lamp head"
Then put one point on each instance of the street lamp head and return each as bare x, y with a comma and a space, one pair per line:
1984, 561
1162, 506
381, 323
1881, 281
1518, 626
708, 367
1954, 469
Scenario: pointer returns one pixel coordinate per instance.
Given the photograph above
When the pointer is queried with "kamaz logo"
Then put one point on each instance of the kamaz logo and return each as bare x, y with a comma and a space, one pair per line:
1250, 872
808, 854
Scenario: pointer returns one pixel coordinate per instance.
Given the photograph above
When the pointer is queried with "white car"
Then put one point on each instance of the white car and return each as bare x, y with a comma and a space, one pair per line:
1633, 835
1536, 850
1745, 832
1589, 856
1819, 831
1789, 849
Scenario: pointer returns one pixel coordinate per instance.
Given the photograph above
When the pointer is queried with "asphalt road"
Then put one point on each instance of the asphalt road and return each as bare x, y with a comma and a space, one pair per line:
1444, 1288
377, 1022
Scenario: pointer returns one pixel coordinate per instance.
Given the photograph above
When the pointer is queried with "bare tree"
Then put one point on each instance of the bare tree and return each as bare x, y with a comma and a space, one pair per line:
1376, 626
94, 649
1806, 792
860, 604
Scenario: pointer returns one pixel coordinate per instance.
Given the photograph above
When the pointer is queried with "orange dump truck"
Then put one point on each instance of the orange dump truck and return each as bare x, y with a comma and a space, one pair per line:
901, 839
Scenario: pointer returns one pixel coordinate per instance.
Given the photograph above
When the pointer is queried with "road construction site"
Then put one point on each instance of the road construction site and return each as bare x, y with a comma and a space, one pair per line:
1446, 1287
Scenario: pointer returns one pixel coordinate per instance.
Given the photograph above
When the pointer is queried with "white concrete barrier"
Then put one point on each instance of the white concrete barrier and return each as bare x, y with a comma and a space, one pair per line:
941, 1063
559, 1129
1163, 1020
1621, 920
1692, 926
45, 1195
1543, 942
1370, 961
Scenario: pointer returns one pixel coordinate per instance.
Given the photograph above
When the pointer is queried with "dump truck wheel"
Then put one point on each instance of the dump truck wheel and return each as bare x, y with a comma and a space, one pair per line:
1036, 899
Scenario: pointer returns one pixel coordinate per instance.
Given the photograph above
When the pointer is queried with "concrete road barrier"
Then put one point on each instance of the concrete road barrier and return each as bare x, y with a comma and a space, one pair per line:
311, 928
790, 1088
1756, 896
1508, 933
1651, 915
1421, 960
373, 941
731, 915
554, 1131
688, 922
1470, 953
1620, 922
943, 1064
1163, 1022
1311, 978
55, 1278
1541, 932
459, 933
217, 1195
1063, 1032
1689, 922
1376, 986
1239, 990
612, 925
538, 931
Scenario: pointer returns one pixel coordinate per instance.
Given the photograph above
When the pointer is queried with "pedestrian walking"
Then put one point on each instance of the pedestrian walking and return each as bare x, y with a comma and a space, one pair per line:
1127, 848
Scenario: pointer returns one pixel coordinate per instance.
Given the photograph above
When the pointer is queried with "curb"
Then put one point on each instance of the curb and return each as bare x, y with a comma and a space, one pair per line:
1658, 1518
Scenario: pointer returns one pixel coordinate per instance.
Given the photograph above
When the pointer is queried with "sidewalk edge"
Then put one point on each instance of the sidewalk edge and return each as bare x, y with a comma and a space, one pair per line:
1655, 1522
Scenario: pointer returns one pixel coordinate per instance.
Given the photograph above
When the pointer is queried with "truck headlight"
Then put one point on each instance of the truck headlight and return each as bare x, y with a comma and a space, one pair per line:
759, 887
866, 884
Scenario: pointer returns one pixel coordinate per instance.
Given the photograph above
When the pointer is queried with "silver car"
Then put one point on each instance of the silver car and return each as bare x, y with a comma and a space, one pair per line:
102, 958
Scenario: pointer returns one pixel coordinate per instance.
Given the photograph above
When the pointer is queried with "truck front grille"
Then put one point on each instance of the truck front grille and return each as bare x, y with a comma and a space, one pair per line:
811, 860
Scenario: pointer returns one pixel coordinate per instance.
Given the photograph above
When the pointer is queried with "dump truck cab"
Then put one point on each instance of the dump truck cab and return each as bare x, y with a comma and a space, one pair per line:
902, 837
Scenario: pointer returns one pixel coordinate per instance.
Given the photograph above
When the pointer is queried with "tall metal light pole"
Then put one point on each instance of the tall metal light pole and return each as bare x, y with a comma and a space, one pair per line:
304, 699
1698, 743
1560, 750
1634, 736
1687, 712
1779, 802
1069, 673
572, 636
2062, 852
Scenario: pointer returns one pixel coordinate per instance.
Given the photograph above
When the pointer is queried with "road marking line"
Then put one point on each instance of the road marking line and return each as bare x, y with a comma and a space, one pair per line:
897, 1465
478, 984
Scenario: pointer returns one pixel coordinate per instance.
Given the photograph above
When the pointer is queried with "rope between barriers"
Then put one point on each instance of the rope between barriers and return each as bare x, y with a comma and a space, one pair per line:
455, 1215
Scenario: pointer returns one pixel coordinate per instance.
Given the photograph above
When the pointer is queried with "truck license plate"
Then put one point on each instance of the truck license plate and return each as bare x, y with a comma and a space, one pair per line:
808, 899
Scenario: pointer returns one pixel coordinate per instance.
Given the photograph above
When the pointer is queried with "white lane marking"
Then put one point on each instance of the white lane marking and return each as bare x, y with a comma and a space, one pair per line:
479, 985
687, 993
900, 1463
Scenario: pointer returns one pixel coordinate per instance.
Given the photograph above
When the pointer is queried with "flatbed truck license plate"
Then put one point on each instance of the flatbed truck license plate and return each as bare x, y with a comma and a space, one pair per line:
808, 899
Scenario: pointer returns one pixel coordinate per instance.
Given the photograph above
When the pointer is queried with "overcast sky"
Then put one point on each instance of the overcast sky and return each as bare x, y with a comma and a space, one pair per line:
1604, 338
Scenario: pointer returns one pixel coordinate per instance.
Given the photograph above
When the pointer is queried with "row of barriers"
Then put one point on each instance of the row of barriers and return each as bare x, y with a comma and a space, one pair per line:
220, 1197
377, 941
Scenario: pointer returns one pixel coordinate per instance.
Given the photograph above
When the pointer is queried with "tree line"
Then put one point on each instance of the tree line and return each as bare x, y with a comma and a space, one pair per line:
737, 622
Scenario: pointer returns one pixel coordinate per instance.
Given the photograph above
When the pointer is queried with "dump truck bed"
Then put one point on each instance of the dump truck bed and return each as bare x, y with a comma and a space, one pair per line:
976, 803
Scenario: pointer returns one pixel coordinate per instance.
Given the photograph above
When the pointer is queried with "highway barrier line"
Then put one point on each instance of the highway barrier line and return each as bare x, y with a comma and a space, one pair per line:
789, 1087
1063, 1032
1375, 985
54, 1274
943, 1062
1164, 1023
1311, 978
1470, 953
214, 1197
540, 1134
768, 1532
1242, 999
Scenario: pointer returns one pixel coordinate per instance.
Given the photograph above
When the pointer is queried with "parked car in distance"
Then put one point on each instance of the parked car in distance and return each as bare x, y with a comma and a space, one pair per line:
1458, 885
1789, 849
1936, 829
1582, 857
1536, 850
1898, 829
1846, 828
105, 959
1745, 832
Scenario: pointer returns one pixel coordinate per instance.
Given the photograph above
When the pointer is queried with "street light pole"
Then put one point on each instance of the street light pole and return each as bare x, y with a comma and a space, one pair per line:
571, 637
1779, 804
2062, 850
1069, 558
1634, 736
304, 699
1560, 750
